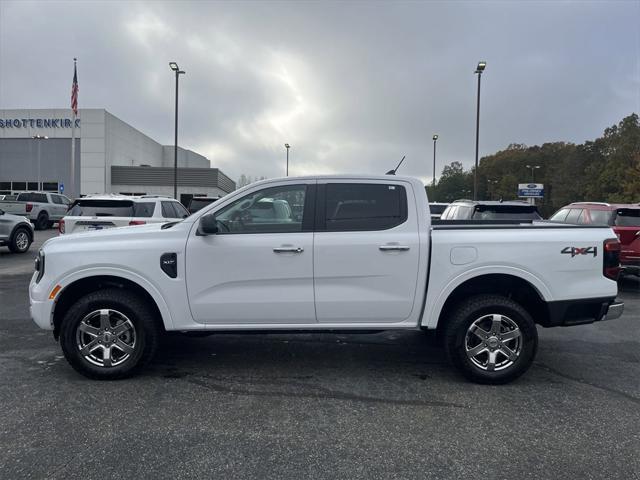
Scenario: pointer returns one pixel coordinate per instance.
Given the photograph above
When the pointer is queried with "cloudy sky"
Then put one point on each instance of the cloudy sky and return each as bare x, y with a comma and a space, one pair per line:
352, 86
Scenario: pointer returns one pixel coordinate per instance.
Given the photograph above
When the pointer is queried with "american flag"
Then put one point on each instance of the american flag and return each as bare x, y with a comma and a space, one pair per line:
74, 90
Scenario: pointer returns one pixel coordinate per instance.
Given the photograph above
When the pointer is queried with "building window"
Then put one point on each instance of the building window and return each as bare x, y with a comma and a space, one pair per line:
32, 185
5, 185
19, 186
50, 186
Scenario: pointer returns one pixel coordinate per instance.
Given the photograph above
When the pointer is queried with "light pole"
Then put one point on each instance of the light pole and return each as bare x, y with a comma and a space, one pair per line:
39, 137
489, 189
533, 168
479, 69
175, 68
287, 146
435, 139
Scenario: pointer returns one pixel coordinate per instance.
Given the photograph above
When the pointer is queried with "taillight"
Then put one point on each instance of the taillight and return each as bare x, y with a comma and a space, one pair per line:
137, 222
611, 258
29, 207
61, 226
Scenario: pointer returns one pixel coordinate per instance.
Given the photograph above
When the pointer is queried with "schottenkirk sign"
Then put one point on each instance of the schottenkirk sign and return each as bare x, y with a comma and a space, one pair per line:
37, 123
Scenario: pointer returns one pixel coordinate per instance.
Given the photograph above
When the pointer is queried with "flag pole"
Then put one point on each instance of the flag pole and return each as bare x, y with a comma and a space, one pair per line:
73, 134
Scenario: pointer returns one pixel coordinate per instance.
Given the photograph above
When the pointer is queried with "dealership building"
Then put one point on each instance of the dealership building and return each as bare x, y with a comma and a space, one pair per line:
111, 156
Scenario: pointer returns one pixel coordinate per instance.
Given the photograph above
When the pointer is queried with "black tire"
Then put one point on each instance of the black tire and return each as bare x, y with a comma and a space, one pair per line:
460, 336
18, 239
146, 334
50, 224
42, 222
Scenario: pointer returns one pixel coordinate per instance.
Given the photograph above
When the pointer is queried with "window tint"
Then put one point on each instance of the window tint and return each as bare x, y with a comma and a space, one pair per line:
361, 206
464, 213
197, 203
572, 216
506, 212
143, 209
56, 199
168, 211
271, 210
101, 208
627, 217
33, 197
181, 212
560, 215
600, 217
437, 209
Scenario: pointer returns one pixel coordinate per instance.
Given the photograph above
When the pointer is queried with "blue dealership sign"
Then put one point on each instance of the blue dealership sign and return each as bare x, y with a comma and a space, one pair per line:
531, 190
62, 188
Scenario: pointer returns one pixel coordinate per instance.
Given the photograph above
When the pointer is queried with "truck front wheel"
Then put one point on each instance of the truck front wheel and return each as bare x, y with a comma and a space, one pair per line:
109, 334
491, 339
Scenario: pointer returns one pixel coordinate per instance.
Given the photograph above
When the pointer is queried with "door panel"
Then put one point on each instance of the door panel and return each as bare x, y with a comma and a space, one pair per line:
259, 268
365, 276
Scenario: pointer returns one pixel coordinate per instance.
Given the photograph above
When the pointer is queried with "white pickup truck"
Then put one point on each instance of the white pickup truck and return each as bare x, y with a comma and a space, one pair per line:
352, 253
43, 209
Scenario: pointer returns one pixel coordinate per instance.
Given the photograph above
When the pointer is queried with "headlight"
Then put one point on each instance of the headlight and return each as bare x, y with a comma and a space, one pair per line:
39, 265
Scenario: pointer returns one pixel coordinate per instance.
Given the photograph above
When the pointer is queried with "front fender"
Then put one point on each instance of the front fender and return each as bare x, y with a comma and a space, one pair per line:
70, 278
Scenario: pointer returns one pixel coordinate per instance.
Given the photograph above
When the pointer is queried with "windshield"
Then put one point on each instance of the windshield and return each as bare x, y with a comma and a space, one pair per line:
110, 208
506, 212
627, 217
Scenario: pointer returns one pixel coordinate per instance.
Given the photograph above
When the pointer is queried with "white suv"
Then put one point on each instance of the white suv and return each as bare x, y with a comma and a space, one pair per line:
99, 212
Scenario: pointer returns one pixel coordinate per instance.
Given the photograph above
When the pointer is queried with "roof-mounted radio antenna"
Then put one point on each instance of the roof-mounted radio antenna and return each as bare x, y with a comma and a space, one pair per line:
393, 172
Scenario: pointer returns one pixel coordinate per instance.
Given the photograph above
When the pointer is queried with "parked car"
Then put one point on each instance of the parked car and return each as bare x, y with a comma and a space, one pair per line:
357, 259
623, 218
16, 232
100, 212
490, 211
42, 208
196, 203
437, 209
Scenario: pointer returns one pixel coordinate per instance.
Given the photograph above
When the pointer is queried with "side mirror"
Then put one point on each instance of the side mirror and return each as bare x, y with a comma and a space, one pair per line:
1, 212
207, 226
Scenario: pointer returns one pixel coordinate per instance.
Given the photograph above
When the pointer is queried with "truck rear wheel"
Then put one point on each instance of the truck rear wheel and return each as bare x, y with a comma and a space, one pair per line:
42, 222
491, 339
109, 334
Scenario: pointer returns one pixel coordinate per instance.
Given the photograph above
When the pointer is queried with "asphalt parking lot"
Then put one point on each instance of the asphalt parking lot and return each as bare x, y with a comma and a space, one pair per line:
381, 405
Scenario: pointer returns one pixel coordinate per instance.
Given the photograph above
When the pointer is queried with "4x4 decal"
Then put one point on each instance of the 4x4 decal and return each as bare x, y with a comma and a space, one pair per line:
573, 251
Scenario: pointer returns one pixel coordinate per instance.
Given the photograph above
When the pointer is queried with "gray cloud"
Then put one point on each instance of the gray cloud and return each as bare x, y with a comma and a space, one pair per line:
351, 86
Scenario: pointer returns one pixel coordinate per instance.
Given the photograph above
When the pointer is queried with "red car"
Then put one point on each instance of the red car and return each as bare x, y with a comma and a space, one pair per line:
623, 218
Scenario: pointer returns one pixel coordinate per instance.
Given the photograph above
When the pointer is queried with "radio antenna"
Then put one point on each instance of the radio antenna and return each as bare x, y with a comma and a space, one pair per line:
393, 172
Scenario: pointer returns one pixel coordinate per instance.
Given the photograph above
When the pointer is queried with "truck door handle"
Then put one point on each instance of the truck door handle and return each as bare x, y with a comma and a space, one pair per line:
288, 249
393, 248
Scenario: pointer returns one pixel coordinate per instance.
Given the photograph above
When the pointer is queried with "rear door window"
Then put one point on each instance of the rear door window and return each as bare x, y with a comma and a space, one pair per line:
573, 215
168, 211
181, 212
362, 206
143, 209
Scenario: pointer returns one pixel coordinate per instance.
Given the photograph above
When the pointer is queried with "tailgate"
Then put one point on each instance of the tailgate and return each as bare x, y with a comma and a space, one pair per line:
85, 224
15, 208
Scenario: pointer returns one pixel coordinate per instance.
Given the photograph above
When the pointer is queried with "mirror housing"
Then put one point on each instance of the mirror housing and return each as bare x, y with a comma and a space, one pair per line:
207, 226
